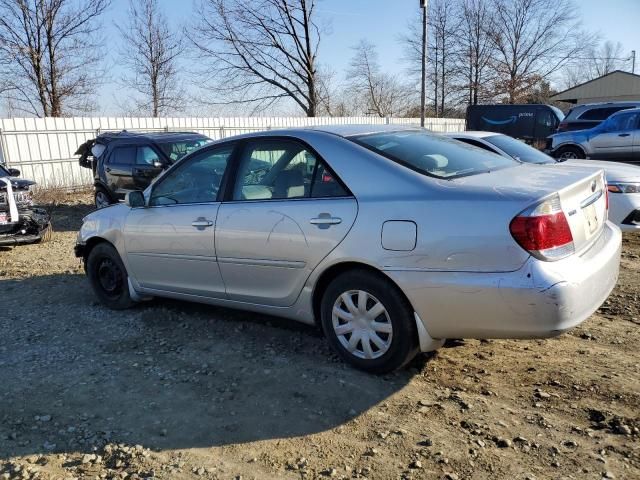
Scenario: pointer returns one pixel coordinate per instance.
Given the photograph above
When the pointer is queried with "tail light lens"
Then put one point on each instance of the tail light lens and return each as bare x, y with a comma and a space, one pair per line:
543, 231
562, 126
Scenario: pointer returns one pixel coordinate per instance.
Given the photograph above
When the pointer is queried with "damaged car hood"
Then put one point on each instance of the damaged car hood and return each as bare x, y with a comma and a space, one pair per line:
16, 183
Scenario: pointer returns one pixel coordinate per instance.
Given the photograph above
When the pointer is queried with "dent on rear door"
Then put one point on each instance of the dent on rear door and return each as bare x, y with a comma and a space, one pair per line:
267, 250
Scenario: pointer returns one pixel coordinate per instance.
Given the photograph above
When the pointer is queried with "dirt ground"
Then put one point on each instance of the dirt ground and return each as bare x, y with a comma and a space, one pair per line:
174, 390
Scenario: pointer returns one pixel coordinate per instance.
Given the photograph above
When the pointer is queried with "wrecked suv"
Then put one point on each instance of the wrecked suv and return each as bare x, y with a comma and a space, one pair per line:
20, 221
126, 161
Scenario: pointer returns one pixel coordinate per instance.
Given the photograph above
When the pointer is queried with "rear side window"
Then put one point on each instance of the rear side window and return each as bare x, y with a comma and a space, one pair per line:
601, 113
123, 156
432, 155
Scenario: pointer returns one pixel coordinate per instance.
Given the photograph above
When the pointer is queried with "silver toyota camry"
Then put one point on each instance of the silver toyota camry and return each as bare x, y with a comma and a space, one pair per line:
391, 239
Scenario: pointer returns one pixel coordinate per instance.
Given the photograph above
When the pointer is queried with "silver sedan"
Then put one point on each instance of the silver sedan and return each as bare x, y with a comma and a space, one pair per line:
391, 239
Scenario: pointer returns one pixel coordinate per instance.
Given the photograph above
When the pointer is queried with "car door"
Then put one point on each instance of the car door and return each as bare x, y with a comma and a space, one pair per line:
615, 137
118, 169
170, 243
149, 164
285, 212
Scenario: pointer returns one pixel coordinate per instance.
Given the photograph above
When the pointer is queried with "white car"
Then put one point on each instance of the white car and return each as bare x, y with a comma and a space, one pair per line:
623, 180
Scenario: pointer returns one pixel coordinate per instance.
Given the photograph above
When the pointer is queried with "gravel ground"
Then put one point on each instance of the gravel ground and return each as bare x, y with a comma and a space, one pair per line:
174, 390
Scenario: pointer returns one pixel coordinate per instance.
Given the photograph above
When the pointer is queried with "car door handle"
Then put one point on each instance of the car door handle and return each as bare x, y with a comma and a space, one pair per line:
624, 134
201, 223
325, 220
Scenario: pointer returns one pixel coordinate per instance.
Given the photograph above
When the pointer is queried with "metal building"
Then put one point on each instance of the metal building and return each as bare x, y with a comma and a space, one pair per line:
617, 86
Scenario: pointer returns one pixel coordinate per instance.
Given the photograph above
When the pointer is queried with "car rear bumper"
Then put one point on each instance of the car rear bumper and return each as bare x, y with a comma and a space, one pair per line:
541, 299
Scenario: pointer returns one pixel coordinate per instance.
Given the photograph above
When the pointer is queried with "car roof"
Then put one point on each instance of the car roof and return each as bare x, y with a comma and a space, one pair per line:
351, 130
149, 136
627, 110
607, 104
472, 134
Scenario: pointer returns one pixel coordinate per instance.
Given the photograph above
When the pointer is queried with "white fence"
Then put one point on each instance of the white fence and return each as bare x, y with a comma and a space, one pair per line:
43, 148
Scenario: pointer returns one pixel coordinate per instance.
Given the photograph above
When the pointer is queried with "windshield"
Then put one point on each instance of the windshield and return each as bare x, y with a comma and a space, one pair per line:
176, 150
433, 155
519, 150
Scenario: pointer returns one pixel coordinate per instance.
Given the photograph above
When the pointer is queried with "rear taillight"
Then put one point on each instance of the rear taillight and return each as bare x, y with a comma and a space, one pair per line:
562, 126
543, 231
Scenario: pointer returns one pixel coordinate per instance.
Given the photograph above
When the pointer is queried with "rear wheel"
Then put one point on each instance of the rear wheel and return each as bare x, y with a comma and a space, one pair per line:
369, 322
569, 153
108, 277
102, 198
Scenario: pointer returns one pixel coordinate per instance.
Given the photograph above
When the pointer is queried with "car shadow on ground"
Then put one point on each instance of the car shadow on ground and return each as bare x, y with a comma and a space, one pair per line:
166, 374
67, 217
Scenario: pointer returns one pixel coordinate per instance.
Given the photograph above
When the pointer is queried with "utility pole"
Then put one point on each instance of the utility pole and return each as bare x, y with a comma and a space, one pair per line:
633, 61
424, 6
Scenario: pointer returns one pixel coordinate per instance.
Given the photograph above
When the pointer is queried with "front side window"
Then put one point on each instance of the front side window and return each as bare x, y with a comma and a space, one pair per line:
282, 169
147, 156
123, 156
433, 155
196, 181
622, 122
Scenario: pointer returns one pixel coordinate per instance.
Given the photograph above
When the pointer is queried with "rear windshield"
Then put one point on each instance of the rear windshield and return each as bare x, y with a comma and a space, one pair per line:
176, 150
518, 149
433, 155
4, 172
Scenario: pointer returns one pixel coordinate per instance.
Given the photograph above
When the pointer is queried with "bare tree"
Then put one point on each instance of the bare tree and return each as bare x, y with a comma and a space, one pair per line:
596, 62
378, 92
443, 53
533, 39
260, 52
151, 51
333, 99
49, 54
477, 48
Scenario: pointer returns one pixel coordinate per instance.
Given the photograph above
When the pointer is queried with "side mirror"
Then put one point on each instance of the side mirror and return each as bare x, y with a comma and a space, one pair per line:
134, 199
14, 172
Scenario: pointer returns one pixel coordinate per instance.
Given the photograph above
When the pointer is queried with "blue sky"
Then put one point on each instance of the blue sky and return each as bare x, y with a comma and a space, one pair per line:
382, 21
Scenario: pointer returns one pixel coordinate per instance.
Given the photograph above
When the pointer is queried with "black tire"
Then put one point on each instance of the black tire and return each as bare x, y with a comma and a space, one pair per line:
102, 193
403, 345
108, 277
569, 152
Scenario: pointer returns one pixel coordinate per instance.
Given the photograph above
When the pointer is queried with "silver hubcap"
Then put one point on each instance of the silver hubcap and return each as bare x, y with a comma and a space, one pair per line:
101, 200
362, 324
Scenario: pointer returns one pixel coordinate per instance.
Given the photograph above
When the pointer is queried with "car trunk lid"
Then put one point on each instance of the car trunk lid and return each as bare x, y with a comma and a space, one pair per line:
582, 193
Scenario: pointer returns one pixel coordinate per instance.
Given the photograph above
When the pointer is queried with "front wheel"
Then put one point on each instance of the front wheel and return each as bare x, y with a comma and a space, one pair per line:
102, 198
108, 277
369, 322
569, 153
